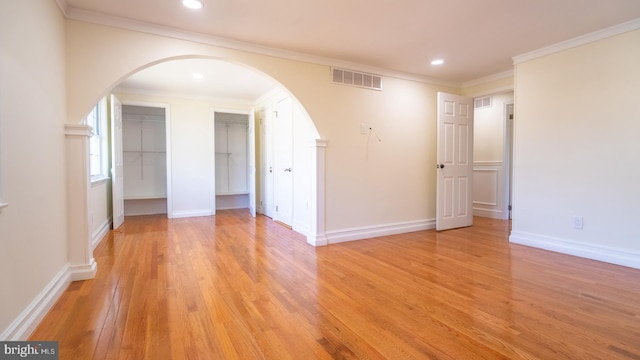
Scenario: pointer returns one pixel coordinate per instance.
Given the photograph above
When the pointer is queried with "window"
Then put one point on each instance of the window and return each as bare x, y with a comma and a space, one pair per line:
97, 119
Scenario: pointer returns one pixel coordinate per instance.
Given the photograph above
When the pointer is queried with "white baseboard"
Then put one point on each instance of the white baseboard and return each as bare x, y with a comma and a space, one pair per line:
317, 240
571, 247
192, 213
367, 232
489, 213
83, 272
28, 320
100, 233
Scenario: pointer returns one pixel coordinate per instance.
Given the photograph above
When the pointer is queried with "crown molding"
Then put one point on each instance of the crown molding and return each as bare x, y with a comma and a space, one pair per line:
578, 41
488, 79
170, 32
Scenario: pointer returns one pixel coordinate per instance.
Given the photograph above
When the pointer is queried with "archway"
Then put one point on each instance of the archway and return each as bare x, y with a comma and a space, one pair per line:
187, 124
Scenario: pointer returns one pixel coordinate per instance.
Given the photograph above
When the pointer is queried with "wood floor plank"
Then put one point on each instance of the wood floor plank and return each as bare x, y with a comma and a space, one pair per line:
236, 287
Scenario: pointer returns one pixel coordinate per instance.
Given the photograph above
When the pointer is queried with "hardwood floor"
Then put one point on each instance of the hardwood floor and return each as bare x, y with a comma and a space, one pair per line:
233, 287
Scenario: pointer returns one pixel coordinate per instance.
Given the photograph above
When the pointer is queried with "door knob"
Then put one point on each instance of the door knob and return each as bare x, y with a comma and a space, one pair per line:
439, 166
287, 169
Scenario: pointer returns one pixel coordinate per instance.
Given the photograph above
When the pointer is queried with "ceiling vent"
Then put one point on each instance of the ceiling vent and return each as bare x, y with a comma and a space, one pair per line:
354, 78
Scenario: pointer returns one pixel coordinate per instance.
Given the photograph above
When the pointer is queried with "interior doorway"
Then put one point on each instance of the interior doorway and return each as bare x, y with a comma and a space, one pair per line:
144, 159
234, 145
492, 155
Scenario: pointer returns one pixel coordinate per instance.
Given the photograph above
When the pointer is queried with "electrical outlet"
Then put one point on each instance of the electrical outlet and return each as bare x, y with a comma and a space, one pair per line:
577, 222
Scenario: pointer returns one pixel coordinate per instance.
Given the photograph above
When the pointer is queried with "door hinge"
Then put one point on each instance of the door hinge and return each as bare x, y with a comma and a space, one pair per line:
509, 208
510, 116
276, 208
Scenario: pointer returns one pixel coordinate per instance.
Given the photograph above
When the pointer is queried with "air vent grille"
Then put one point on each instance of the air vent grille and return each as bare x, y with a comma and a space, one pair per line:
483, 102
354, 78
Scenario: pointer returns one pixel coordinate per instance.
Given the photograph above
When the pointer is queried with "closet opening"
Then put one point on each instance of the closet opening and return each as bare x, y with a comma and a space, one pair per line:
144, 152
232, 160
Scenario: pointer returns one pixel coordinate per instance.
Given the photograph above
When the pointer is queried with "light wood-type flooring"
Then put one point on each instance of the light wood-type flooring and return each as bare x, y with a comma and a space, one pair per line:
234, 287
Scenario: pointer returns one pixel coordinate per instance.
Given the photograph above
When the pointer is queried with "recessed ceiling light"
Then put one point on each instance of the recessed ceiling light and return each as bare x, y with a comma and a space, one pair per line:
437, 62
193, 4
197, 76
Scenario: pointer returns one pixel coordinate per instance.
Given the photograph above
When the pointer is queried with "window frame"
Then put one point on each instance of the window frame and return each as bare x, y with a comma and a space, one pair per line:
98, 142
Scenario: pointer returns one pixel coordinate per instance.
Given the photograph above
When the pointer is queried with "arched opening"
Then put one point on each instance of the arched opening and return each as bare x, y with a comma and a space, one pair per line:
194, 92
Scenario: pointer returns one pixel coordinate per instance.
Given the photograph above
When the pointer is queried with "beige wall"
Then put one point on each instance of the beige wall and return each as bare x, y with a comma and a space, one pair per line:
32, 148
576, 149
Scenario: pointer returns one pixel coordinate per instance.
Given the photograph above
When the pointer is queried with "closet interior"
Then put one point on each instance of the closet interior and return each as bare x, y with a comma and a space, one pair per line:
231, 161
144, 160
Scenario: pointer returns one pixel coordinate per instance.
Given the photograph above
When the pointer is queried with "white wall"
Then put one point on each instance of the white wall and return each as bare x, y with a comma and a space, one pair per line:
489, 180
576, 150
32, 165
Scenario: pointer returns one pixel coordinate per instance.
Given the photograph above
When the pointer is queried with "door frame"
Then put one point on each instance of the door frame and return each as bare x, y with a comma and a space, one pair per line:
250, 167
508, 158
167, 124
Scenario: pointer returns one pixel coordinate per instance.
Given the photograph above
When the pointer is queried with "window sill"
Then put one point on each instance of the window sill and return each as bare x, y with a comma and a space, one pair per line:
99, 180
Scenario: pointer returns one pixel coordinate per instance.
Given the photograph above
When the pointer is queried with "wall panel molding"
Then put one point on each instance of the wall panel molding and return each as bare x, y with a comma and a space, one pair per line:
488, 194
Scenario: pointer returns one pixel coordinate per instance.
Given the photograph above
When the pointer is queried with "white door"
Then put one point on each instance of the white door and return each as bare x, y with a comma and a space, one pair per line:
251, 147
117, 173
283, 159
454, 162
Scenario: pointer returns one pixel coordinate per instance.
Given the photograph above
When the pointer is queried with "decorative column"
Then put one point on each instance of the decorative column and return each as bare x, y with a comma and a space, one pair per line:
317, 234
79, 252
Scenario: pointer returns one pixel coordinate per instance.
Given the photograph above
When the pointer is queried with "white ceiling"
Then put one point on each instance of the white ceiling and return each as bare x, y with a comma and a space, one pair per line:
219, 79
475, 38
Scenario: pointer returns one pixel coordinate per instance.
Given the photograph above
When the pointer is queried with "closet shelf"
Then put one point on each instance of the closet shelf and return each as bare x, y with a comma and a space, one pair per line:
232, 193
145, 151
145, 197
